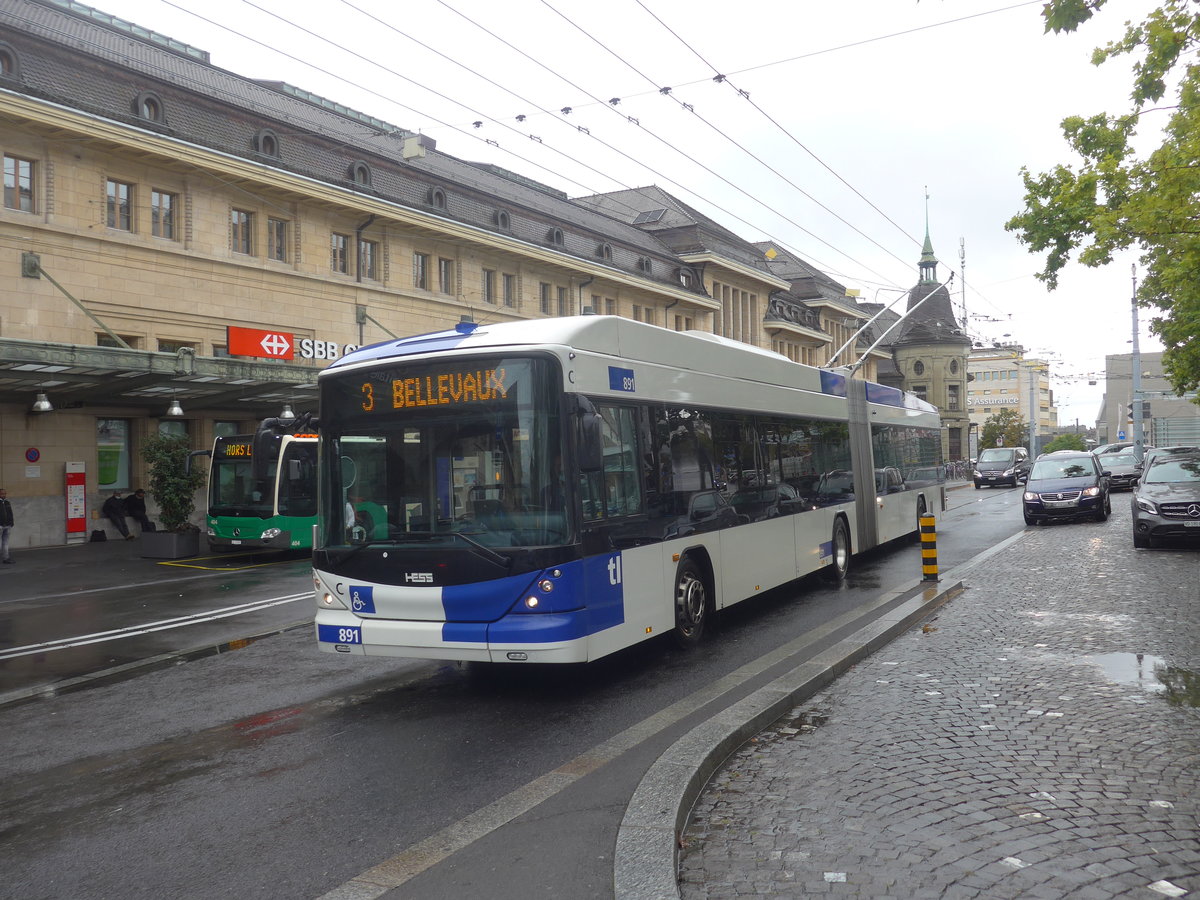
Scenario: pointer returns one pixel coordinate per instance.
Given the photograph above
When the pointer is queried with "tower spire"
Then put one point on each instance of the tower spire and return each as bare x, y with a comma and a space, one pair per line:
928, 264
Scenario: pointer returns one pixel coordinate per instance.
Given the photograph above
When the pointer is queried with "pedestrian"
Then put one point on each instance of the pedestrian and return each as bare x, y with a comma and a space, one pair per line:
135, 508
114, 509
6, 524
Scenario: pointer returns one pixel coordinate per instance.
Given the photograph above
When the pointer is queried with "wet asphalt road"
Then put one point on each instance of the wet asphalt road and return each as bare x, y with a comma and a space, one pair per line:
278, 771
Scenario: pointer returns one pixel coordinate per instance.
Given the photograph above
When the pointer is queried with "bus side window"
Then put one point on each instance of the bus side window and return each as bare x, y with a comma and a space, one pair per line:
616, 489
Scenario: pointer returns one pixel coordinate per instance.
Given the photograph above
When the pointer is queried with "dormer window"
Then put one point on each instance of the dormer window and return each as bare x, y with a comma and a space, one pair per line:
360, 173
10, 65
604, 251
555, 237
503, 220
149, 106
437, 198
685, 277
644, 264
266, 143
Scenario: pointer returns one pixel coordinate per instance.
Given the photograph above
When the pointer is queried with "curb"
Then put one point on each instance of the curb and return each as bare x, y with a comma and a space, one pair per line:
645, 861
646, 858
140, 667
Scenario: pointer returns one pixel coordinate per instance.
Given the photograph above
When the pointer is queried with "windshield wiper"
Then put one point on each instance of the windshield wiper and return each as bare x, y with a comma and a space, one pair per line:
424, 537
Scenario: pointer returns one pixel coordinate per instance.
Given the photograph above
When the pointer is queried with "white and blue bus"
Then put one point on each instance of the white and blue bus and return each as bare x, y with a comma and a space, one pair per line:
556, 490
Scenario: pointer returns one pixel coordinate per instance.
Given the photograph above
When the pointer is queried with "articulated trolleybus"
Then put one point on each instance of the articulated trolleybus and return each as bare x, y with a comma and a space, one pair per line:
556, 490
273, 504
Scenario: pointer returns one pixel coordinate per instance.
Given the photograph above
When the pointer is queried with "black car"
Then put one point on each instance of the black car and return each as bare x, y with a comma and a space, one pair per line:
1166, 501
1001, 465
1123, 470
1068, 484
766, 501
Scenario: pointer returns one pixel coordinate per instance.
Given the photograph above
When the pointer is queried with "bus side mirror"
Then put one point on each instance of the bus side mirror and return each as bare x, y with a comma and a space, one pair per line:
265, 435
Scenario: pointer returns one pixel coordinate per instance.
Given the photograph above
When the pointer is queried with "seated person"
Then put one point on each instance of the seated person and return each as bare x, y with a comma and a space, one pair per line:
135, 508
114, 510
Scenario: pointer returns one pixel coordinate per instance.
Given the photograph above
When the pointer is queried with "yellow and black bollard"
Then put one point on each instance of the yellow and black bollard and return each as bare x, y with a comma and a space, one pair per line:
929, 565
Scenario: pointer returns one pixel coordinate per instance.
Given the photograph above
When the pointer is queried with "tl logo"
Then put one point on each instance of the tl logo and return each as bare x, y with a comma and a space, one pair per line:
614, 570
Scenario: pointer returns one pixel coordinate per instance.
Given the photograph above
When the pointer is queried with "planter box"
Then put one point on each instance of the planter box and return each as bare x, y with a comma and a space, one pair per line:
170, 544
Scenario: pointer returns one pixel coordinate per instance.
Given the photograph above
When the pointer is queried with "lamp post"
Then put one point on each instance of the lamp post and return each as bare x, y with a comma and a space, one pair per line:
1139, 434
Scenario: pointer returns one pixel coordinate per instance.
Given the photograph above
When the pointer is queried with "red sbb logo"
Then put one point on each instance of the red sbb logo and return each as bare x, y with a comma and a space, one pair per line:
254, 342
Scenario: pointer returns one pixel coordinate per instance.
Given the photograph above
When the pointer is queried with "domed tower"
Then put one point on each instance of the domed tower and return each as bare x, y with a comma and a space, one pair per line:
931, 351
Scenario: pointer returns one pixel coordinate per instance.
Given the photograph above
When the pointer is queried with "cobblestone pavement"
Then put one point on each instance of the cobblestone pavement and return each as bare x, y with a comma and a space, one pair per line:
1040, 738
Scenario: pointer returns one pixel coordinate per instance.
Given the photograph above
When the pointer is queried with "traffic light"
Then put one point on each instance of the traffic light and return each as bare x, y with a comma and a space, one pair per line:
1129, 413
1145, 409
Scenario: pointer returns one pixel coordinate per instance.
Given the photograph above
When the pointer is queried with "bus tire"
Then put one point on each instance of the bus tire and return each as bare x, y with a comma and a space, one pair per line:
837, 570
691, 604
921, 510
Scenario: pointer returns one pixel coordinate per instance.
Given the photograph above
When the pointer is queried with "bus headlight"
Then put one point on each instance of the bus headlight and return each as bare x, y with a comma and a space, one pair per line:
531, 602
326, 600
546, 585
272, 533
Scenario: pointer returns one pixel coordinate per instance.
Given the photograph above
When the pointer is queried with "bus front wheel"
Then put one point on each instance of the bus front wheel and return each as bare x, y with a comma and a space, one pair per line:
691, 604
839, 549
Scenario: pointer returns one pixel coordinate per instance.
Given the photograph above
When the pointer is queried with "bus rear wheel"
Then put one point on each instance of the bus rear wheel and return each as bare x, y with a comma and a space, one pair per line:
691, 604
840, 551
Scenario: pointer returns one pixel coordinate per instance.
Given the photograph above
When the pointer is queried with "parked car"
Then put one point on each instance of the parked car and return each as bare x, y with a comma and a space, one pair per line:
706, 511
1152, 452
1001, 465
1166, 501
1116, 447
1069, 484
1123, 468
766, 502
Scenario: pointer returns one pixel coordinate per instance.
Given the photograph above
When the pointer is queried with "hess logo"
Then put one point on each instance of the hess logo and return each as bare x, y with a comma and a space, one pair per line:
418, 577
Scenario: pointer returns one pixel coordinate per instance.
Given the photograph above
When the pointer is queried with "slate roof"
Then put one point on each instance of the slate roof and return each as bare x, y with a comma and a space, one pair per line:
104, 63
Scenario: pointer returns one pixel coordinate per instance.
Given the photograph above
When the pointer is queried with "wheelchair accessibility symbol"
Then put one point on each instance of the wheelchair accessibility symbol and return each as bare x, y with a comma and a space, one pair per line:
357, 602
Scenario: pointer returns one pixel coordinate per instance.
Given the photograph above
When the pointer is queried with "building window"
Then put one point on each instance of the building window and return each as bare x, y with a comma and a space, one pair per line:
165, 346
104, 339
605, 252
954, 367
489, 286
18, 183
339, 246
610, 306
266, 143
510, 289
162, 214
544, 298
564, 302
446, 275
921, 391
149, 106
9, 67
221, 351
277, 239
953, 403
645, 265
240, 225
112, 454
368, 259
421, 271
555, 237
120, 205
918, 368
503, 220
437, 198
360, 173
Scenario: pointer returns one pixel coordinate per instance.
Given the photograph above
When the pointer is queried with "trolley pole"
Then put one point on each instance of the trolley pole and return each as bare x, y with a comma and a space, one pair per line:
929, 563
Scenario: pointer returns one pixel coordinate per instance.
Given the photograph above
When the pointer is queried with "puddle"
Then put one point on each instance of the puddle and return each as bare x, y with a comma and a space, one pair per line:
1179, 687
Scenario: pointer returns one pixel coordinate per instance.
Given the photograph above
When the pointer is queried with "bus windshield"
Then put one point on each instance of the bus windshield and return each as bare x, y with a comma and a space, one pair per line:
233, 489
454, 453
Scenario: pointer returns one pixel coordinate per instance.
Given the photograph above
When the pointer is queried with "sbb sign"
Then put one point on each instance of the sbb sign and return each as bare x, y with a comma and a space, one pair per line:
310, 348
281, 345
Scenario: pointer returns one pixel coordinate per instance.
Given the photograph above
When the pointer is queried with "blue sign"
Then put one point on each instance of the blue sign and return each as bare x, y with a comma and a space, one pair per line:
1120, 435
620, 380
362, 599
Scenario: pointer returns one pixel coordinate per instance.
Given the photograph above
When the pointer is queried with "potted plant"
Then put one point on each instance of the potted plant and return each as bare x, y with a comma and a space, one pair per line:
173, 487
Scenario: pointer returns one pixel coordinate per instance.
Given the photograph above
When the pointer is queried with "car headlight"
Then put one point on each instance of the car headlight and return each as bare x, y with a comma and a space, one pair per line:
1031, 496
1146, 506
1008, 472
976, 473
272, 533
1091, 492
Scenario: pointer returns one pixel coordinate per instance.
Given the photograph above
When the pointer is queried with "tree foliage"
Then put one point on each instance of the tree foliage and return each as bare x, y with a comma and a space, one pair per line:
1068, 441
171, 485
1003, 429
1111, 200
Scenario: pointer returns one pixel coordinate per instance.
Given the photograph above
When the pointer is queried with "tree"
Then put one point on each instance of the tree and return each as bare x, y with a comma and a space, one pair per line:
1003, 429
1114, 201
1068, 441
172, 486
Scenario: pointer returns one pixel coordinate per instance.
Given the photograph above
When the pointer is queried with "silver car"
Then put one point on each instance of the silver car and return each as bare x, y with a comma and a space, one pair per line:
1166, 501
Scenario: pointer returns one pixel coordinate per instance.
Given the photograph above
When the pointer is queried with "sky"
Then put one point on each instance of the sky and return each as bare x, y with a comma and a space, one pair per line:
832, 129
